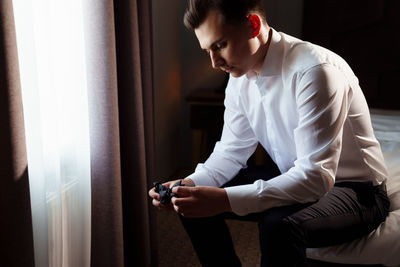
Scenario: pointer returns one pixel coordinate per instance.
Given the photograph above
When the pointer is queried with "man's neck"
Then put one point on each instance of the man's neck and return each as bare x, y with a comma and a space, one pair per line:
265, 40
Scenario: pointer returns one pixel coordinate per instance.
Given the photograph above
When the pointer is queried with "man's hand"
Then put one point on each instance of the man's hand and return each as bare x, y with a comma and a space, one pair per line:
200, 201
156, 197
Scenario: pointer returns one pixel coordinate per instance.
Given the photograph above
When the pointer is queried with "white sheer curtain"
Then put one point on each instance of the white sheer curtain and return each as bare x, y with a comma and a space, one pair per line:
51, 52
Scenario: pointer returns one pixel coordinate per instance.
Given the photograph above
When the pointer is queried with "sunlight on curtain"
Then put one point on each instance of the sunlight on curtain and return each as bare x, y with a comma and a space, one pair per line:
51, 52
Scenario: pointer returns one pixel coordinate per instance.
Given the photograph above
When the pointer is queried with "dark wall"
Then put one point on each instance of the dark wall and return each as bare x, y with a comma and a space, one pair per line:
365, 34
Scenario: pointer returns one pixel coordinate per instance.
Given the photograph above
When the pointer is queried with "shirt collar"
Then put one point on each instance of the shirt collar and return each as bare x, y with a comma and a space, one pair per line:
272, 65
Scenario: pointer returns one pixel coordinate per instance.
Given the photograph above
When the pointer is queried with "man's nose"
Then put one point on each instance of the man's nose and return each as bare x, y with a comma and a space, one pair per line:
216, 60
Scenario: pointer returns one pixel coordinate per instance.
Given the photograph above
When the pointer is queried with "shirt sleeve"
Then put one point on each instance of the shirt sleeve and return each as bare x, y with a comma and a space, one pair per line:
231, 153
323, 95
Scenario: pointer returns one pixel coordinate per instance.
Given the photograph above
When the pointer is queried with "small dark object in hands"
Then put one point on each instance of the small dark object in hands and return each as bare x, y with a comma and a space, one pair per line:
165, 192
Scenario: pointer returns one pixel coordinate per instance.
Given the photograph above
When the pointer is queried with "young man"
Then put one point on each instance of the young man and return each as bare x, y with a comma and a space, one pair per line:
303, 104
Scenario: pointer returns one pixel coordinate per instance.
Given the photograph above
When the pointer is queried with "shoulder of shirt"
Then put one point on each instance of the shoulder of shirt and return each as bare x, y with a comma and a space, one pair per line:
300, 56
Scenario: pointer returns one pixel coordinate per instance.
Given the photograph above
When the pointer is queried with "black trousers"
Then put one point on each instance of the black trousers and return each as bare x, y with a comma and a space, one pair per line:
349, 211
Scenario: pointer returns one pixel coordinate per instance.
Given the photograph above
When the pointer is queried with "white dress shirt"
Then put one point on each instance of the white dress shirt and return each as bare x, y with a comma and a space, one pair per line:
307, 110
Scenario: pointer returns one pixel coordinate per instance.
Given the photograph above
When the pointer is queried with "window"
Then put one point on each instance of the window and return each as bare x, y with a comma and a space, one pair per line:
51, 49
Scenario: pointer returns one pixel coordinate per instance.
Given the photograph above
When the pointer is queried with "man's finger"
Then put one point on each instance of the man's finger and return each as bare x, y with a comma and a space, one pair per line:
156, 203
183, 191
153, 194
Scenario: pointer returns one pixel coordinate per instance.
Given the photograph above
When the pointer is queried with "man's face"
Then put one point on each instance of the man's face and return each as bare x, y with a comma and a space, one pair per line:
231, 48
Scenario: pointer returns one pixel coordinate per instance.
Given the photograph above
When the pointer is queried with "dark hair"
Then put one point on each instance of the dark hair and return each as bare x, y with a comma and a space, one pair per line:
234, 11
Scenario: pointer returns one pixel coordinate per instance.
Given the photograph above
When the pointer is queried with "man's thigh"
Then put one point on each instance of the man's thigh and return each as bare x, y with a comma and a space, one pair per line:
348, 211
343, 214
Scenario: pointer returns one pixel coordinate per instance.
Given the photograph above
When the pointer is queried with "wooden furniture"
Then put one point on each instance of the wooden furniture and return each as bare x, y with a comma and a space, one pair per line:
206, 121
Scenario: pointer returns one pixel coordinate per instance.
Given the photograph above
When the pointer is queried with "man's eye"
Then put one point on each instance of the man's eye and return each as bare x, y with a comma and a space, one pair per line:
221, 45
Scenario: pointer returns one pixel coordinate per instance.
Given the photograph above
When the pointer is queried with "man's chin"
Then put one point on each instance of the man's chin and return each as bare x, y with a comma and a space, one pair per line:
236, 74
233, 71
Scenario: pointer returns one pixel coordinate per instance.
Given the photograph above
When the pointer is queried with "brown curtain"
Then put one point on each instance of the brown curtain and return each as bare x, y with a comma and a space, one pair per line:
118, 48
135, 94
16, 236
118, 35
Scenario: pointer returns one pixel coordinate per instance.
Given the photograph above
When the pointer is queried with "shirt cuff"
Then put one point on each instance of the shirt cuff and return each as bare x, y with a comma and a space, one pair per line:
243, 199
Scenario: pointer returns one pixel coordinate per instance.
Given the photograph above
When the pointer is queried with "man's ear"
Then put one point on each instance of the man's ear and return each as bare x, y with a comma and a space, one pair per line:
255, 24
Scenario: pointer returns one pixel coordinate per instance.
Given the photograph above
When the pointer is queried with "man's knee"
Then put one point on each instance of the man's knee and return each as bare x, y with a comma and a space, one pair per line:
276, 225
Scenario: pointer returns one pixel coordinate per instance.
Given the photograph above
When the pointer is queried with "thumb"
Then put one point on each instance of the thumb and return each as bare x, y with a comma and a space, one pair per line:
183, 191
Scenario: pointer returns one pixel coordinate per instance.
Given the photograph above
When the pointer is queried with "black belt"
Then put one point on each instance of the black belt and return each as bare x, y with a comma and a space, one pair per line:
362, 185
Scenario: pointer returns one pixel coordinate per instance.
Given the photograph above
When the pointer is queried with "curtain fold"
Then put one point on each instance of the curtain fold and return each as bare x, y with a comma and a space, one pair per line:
135, 94
118, 38
107, 234
15, 220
